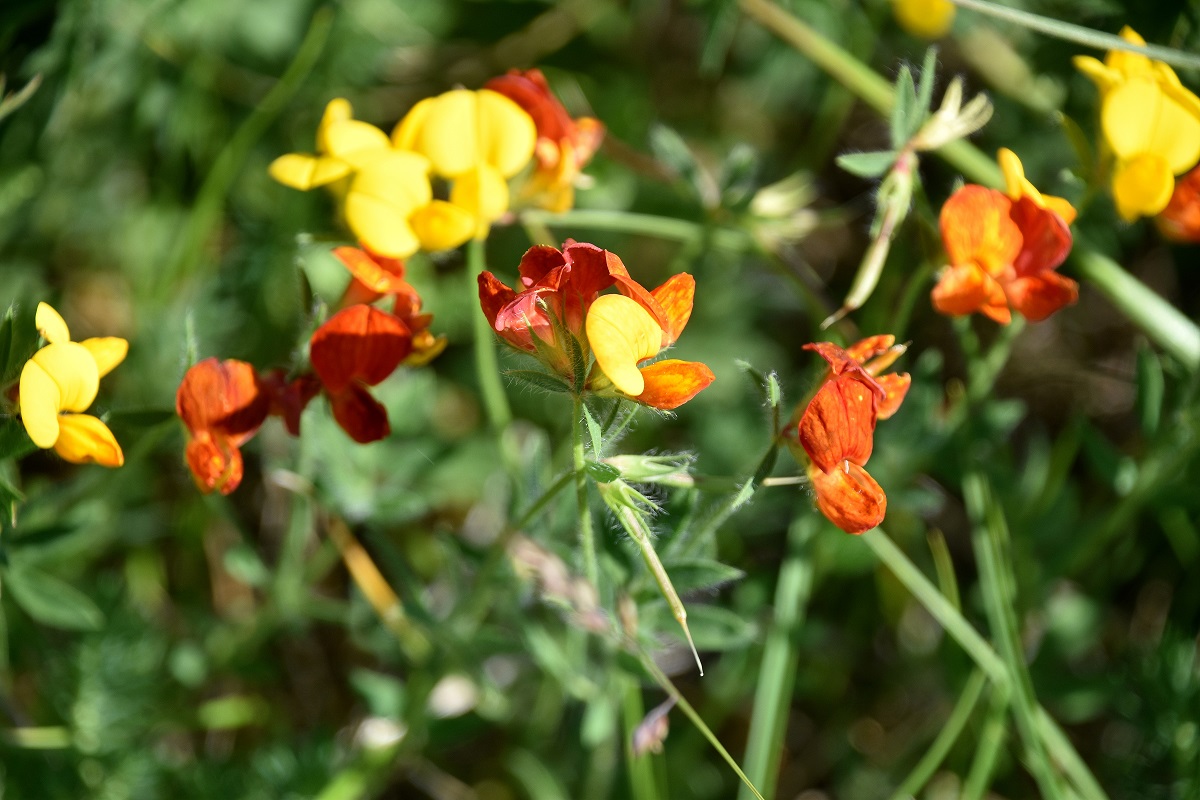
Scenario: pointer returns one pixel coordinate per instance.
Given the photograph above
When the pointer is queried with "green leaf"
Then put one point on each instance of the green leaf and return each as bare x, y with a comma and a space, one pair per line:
51, 601
736, 180
774, 393
925, 88
14, 441
867, 165
602, 473
905, 108
1150, 389
537, 380
700, 574
593, 431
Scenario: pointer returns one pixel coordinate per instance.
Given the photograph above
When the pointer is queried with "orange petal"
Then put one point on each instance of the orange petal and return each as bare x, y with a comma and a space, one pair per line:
671, 383
976, 228
870, 347
849, 497
1046, 239
215, 463
965, 290
377, 273
839, 421
895, 387
1039, 296
676, 296
359, 344
360, 415
225, 398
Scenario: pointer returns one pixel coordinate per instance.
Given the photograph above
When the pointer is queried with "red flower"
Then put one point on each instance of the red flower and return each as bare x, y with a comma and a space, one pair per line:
564, 145
374, 276
357, 348
222, 403
837, 428
1003, 254
1180, 220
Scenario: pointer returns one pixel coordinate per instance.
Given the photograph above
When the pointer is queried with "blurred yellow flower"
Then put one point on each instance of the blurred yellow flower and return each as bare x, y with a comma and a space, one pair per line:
59, 382
477, 139
1151, 123
344, 144
928, 19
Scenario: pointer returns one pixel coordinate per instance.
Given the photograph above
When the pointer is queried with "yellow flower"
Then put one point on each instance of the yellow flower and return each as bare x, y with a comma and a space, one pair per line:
1151, 123
928, 19
387, 200
59, 382
478, 140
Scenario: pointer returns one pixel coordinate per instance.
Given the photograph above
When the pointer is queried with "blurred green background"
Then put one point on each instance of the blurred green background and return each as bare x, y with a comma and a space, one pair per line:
216, 647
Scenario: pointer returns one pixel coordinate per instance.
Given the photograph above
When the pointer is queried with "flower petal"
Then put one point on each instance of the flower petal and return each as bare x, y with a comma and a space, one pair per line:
225, 398
1180, 220
1142, 186
849, 497
50, 324
360, 344
74, 369
622, 333
360, 415
376, 273
507, 134
442, 226
676, 296
1045, 238
671, 383
354, 142
108, 351
83, 439
304, 172
1039, 296
839, 421
483, 193
40, 401
976, 227
895, 387
965, 290
214, 463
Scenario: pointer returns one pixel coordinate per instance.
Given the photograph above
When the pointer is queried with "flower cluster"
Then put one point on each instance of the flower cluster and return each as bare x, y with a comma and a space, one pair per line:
836, 429
1151, 123
475, 141
59, 383
1004, 248
599, 343
223, 403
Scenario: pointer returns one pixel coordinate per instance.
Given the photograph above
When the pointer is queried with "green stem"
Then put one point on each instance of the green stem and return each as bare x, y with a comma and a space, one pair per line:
1079, 34
991, 741
680, 230
946, 738
937, 605
487, 364
662, 680
1064, 753
642, 785
587, 536
211, 197
777, 672
990, 539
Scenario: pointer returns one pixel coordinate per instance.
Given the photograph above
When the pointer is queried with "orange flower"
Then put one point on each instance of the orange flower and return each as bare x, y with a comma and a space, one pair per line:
222, 404
564, 145
1180, 220
357, 348
1003, 253
374, 276
837, 427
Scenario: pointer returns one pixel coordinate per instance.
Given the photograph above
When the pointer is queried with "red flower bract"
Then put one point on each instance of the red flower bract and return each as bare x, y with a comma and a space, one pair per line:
358, 347
223, 404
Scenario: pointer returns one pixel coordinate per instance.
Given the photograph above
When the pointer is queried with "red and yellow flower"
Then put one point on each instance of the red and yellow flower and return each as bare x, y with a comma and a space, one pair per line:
60, 382
1004, 249
836, 429
222, 404
564, 145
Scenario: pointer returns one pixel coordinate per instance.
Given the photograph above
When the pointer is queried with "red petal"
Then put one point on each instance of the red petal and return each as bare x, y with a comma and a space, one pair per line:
493, 296
1046, 239
290, 398
1039, 296
360, 415
537, 262
216, 463
976, 228
839, 421
225, 398
676, 296
849, 497
532, 93
671, 383
358, 344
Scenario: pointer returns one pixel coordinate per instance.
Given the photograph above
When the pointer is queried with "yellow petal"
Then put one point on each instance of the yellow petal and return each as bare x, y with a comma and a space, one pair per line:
355, 142
1139, 117
83, 439
442, 226
1142, 186
336, 110
446, 132
507, 134
1104, 77
408, 130
621, 333
40, 400
306, 172
484, 193
380, 227
1016, 185
928, 19
1125, 63
109, 351
381, 199
50, 324
73, 368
